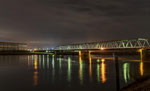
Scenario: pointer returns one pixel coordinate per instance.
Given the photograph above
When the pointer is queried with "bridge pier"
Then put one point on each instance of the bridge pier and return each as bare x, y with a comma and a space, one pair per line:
85, 54
144, 54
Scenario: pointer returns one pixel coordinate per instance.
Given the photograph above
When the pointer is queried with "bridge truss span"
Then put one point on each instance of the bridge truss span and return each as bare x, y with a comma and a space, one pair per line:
119, 44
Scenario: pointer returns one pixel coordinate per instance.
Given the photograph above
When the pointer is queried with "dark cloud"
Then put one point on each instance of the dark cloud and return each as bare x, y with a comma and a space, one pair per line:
54, 22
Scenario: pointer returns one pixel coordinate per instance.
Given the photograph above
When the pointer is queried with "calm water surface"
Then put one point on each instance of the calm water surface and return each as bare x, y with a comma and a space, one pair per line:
69, 72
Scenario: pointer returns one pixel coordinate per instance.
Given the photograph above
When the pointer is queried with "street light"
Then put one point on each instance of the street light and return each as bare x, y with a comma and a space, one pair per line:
102, 48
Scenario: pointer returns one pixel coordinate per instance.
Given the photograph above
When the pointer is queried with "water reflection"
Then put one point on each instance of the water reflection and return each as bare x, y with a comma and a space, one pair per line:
60, 70
69, 69
32, 57
40, 61
53, 67
126, 72
100, 68
141, 68
35, 63
35, 77
98, 73
60, 62
103, 71
43, 62
90, 67
47, 61
28, 62
80, 70
53, 62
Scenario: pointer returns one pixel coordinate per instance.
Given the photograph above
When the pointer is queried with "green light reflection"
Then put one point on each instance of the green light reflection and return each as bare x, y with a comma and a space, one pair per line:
80, 70
59, 62
69, 69
53, 68
53, 62
40, 61
98, 73
126, 72
47, 61
43, 62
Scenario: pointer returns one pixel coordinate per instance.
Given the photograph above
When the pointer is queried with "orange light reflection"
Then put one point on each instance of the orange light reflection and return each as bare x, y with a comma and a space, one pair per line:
103, 71
90, 67
28, 61
141, 68
35, 63
35, 77
80, 70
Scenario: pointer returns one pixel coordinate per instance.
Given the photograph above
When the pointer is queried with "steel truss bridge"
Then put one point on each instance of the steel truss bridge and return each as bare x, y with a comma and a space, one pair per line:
118, 44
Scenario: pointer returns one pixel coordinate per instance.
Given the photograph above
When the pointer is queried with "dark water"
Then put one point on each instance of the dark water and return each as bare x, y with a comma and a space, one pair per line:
70, 73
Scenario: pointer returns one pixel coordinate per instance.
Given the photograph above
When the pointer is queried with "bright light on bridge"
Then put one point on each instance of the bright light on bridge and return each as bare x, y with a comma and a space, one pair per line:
103, 60
102, 48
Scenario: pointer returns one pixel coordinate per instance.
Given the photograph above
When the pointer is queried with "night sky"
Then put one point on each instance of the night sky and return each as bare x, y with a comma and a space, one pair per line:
48, 23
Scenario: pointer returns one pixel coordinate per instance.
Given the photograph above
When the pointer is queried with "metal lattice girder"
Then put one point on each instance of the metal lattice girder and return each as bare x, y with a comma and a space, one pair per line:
132, 43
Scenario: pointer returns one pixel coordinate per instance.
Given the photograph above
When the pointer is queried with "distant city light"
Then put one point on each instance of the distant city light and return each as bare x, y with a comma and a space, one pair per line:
35, 49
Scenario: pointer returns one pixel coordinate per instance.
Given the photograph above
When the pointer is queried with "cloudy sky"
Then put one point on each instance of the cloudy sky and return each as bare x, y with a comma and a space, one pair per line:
48, 23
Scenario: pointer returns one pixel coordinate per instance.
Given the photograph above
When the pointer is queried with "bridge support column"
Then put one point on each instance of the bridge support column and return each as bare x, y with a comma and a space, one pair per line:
144, 54
85, 54
117, 72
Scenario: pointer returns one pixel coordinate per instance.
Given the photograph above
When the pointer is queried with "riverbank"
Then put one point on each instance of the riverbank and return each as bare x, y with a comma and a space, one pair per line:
142, 84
